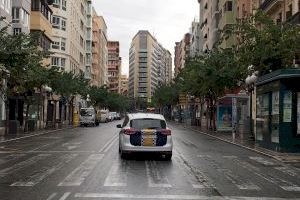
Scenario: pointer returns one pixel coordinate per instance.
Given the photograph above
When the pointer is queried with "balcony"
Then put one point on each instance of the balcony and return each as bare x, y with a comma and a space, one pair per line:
227, 18
295, 19
269, 5
39, 22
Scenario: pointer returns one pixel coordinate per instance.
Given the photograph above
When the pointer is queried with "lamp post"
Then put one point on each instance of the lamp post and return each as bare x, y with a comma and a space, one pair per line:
250, 84
88, 100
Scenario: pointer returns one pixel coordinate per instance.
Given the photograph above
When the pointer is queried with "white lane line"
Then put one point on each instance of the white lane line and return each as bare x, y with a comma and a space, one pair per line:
236, 180
108, 143
77, 176
23, 164
284, 184
44, 172
43, 146
196, 177
65, 196
170, 197
62, 152
117, 175
51, 196
262, 161
154, 176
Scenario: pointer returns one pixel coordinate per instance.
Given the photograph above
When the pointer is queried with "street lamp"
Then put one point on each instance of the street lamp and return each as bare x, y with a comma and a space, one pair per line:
250, 83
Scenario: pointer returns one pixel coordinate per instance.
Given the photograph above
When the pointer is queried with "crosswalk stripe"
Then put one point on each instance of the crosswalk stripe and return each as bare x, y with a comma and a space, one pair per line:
65, 196
117, 175
170, 197
284, 184
51, 196
262, 161
289, 171
239, 182
196, 177
78, 175
154, 176
23, 164
44, 172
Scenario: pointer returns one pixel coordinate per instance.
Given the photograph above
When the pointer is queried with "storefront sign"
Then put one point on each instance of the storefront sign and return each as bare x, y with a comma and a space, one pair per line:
224, 117
287, 106
275, 103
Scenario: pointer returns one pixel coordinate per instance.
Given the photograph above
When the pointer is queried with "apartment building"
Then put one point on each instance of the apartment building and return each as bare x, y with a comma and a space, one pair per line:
123, 89
89, 40
99, 50
182, 51
5, 13
209, 18
196, 42
69, 23
145, 66
114, 65
282, 10
20, 16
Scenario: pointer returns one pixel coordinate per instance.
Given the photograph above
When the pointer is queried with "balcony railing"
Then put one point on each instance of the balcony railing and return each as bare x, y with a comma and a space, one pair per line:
295, 19
268, 4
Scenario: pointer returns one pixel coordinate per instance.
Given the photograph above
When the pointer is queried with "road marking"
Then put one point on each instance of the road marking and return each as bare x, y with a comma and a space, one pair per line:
170, 197
61, 152
51, 196
23, 164
196, 177
44, 172
65, 196
289, 171
77, 176
40, 147
155, 178
107, 146
11, 158
29, 136
262, 161
242, 184
117, 175
284, 184
72, 145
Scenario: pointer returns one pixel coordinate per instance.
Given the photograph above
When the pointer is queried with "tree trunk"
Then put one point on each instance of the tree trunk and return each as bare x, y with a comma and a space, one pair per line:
26, 117
6, 115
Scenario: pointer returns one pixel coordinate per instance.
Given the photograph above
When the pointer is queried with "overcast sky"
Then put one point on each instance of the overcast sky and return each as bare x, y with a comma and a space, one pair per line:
167, 20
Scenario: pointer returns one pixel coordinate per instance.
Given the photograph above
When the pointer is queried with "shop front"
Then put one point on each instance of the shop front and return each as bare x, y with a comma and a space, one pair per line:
278, 110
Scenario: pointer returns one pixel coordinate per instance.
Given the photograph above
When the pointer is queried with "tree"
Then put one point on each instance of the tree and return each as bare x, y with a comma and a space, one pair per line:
20, 60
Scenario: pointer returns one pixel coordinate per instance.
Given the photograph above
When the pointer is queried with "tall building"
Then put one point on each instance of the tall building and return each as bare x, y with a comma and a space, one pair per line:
123, 85
40, 21
182, 52
196, 39
5, 13
100, 53
244, 8
282, 11
228, 14
209, 17
69, 46
89, 40
145, 66
114, 65
21, 16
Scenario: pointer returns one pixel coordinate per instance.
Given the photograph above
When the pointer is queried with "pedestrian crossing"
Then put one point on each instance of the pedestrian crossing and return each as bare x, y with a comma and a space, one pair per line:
154, 172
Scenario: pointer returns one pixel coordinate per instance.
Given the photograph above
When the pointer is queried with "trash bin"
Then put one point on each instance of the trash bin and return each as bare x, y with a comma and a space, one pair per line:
13, 126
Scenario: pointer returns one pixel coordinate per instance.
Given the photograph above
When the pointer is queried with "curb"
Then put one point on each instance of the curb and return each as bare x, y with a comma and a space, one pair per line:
234, 143
37, 134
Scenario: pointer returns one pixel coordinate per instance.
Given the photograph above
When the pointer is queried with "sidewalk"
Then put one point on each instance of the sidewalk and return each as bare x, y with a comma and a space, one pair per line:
246, 142
12, 137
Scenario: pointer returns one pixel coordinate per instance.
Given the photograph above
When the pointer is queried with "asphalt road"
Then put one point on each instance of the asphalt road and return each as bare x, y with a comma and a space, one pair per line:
84, 163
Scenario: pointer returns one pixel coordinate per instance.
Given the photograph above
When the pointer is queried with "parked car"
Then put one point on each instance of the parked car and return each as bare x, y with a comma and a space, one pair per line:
104, 116
87, 116
118, 116
113, 115
145, 132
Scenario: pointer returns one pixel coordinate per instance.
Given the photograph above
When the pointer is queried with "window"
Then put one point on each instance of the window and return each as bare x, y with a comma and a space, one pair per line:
228, 6
63, 62
64, 5
63, 44
55, 45
81, 41
55, 61
56, 3
17, 31
63, 24
15, 15
81, 25
56, 22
